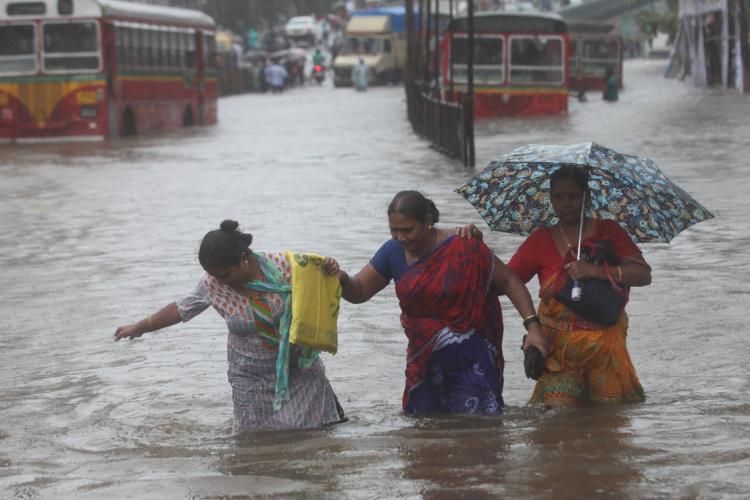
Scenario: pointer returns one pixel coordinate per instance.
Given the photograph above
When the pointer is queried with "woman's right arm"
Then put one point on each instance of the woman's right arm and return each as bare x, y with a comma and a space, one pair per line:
362, 286
184, 309
166, 316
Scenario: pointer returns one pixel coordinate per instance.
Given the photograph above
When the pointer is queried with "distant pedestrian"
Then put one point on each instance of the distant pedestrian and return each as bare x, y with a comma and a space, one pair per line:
361, 75
276, 76
257, 72
610, 85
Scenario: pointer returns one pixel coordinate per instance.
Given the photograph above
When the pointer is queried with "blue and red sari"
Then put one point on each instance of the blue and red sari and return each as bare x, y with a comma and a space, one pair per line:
454, 325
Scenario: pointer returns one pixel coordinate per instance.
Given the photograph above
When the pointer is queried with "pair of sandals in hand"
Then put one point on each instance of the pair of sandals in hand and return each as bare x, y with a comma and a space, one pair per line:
533, 362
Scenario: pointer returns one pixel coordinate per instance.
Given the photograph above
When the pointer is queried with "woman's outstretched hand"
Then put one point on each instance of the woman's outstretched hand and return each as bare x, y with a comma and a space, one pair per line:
469, 231
128, 332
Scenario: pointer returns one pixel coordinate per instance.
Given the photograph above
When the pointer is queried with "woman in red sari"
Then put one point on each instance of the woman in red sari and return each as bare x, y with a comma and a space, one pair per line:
448, 288
588, 362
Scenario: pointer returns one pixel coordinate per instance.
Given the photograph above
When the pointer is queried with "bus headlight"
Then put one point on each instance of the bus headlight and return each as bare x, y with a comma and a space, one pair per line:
88, 111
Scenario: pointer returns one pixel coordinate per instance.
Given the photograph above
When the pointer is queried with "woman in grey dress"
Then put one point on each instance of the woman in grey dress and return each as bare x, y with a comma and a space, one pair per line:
250, 291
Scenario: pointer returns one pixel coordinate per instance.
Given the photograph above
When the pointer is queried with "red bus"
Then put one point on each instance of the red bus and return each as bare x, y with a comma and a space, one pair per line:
95, 69
592, 49
520, 63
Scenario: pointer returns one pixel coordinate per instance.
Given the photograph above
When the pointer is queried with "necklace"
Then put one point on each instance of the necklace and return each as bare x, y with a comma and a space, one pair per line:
565, 236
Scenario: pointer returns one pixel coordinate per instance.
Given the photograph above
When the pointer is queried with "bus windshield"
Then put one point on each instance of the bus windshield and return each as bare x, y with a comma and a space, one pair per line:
17, 49
598, 55
536, 60
71, 47
601, 49
487, 51
362, 46
488, 60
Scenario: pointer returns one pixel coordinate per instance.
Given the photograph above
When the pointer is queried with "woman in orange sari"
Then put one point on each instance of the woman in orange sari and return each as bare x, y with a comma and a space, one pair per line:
588, 362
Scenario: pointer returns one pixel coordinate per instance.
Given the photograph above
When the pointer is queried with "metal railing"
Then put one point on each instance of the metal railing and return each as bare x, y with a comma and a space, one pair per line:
448, 126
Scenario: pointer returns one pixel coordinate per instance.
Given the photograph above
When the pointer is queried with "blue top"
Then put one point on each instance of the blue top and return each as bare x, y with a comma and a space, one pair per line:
390, 260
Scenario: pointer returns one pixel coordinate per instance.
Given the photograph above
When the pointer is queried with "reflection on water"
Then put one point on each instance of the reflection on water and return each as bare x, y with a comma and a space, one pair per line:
593, 446
96, 235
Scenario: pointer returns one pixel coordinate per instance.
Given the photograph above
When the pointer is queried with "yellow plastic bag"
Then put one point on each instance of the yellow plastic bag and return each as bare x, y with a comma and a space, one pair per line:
315, 303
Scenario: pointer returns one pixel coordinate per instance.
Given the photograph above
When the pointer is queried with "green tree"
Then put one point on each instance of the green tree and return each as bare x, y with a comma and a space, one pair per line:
652, 23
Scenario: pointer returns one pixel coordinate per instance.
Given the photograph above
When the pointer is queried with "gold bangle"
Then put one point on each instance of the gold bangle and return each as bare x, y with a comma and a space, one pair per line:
528, 320
150, 324
619, 274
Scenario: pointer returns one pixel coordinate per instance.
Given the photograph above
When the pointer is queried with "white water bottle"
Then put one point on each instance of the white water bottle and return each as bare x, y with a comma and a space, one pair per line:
576, 291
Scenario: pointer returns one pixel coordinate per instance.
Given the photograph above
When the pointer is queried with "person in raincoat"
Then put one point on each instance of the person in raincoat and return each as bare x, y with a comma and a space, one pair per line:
610, 85
276, 76
361, 75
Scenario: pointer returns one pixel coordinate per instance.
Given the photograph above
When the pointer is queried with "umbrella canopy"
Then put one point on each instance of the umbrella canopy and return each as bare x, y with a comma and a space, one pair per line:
512, 192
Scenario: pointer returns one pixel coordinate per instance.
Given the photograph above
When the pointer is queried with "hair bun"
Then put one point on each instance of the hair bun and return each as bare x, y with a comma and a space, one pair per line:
229, 226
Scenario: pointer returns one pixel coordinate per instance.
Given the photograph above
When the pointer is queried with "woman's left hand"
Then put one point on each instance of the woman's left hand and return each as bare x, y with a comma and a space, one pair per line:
536, 338
580, 270
330, 266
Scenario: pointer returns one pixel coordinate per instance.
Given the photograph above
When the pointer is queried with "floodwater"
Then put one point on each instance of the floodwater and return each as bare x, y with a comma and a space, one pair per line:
94, 236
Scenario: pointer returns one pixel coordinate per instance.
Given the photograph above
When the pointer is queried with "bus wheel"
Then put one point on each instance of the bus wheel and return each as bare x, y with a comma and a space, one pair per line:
128, 123
187, 117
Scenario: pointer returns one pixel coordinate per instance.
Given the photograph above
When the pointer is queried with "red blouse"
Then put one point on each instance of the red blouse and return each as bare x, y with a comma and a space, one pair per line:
539, 255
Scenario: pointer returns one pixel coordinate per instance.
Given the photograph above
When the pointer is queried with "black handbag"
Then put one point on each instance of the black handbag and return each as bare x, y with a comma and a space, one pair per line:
599, 301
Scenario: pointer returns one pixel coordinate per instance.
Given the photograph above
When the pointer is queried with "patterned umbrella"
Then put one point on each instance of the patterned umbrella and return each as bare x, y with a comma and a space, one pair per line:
512, 192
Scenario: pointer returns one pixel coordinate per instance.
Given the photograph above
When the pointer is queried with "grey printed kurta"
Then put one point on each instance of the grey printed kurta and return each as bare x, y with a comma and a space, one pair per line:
252, 361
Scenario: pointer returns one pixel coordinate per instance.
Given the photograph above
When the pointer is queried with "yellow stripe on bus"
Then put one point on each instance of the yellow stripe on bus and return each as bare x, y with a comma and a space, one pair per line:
41, 98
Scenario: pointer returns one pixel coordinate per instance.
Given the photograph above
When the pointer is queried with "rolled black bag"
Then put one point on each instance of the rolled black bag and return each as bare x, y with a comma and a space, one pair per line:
533, 364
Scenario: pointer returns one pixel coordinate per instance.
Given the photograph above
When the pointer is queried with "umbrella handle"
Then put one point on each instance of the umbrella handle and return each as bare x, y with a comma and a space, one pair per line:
576, 292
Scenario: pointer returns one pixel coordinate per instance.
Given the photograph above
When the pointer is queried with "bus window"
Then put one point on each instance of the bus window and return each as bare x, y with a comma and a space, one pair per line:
600, 49
17, 49
537, 60
174, 49
209, 49
120, 44
164, 47
71, 46
190, 50
26, 9
150, 44
161, 47
598, 55
488, 59
128, 50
